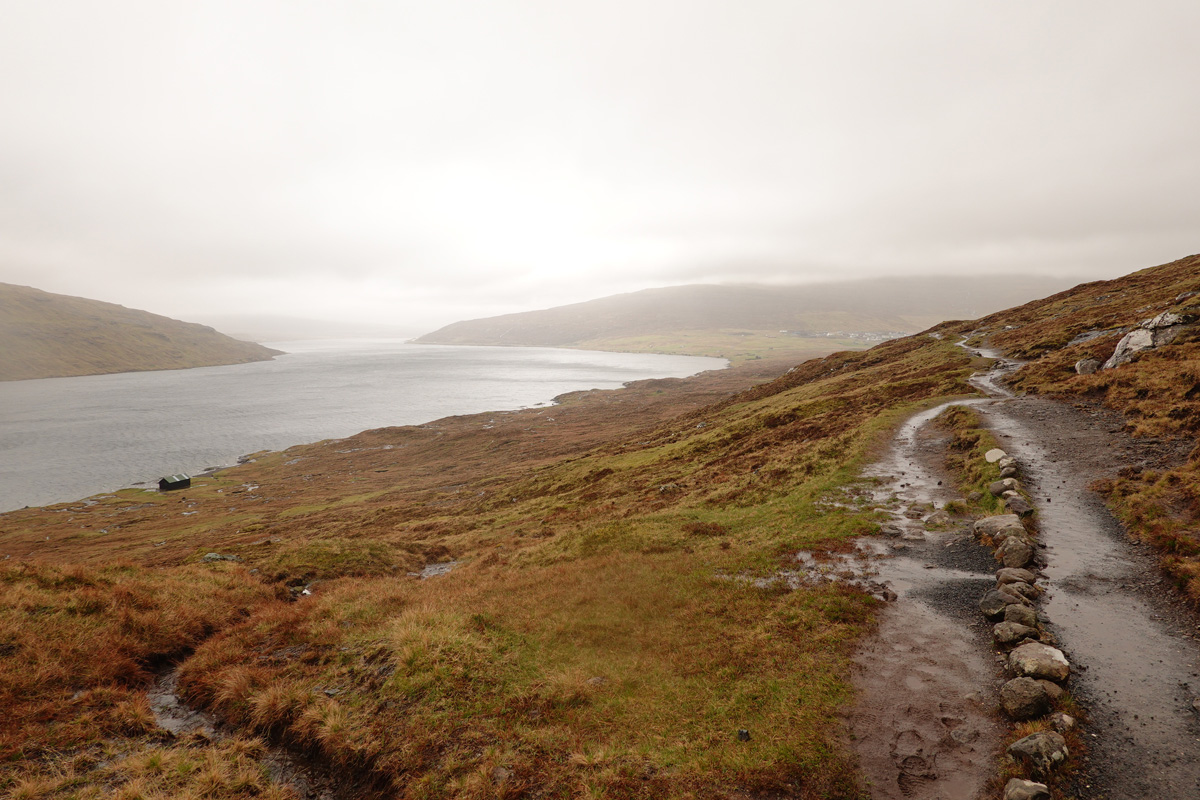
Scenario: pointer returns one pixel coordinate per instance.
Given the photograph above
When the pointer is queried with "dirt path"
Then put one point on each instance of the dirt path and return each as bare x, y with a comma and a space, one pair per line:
924, 726
1109, 606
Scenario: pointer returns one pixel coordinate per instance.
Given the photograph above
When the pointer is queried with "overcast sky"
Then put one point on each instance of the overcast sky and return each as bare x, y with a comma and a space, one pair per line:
421, 162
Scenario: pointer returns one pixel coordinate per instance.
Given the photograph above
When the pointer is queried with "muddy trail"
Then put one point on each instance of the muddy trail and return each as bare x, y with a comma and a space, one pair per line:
926, 724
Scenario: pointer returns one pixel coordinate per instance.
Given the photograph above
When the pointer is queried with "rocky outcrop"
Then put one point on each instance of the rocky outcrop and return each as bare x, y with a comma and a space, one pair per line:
1151, 333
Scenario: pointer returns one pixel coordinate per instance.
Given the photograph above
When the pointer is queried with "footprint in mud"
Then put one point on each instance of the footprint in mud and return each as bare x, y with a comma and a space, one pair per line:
911, 757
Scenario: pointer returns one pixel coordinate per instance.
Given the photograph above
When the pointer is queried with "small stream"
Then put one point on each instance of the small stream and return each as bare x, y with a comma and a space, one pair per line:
176, 717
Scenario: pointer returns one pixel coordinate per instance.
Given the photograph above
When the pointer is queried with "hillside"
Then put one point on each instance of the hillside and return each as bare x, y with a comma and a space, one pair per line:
677, 312
44, 335
602, 598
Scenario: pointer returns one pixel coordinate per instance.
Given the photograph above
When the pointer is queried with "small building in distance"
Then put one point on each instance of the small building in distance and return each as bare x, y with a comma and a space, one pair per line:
170, 482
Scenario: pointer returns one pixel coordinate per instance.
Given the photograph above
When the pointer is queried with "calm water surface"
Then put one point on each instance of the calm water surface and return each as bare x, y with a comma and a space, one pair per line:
62, 439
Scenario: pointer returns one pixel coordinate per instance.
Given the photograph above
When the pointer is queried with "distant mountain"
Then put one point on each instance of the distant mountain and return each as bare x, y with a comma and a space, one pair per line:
886, 304
45, 335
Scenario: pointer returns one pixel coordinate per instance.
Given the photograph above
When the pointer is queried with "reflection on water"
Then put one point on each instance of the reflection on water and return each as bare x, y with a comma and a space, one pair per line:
66, 438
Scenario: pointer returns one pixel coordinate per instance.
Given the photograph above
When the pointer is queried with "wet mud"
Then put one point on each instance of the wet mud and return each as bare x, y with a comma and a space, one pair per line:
923, 727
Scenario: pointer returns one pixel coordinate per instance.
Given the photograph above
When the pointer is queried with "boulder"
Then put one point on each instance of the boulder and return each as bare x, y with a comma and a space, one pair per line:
1036, 660
1087, 366
1053, 690
1018, 505
1062, 722
1024, 698
1021, 614
994, 455
939, 518
995, 601
988, 526
1152, 333
1015, 552
1024, 590
1007, 634
1007, 461
1003, 485
1040, 752
1008, 575
1018, 789
1009, 471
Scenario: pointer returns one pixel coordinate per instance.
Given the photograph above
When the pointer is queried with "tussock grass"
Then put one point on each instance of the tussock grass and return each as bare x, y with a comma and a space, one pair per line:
79, 644
594, 675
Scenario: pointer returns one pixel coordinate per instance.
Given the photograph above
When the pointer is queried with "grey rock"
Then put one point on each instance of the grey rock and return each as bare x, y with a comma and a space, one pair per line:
1027, 591
1009, 472
1087, 366
1015, 552
1024, 698
1055, 691
1018, 789
1156, 332
1018, 505
1001, 535
1040, 752
975, 496
1007, 461
1003, 485
1036, 660
1062, 722
220, 557
994, 455
988, 526
938, 518
1010, 633
994, 602
1013, 575
1020, 614
1166, 319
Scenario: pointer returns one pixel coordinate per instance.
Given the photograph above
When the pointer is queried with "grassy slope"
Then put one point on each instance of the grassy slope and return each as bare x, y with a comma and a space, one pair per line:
45, 335
591, 642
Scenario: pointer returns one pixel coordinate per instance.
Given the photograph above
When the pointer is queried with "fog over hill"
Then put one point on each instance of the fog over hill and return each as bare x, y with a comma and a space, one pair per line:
886, 304
44, 335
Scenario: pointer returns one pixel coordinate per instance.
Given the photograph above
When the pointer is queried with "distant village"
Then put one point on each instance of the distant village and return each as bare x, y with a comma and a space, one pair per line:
866, 336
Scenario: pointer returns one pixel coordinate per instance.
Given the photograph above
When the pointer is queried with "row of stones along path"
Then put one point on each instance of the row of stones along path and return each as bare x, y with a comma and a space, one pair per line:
929, 722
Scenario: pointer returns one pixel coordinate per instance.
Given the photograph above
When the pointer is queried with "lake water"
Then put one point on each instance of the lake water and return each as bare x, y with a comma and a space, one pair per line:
62, 439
